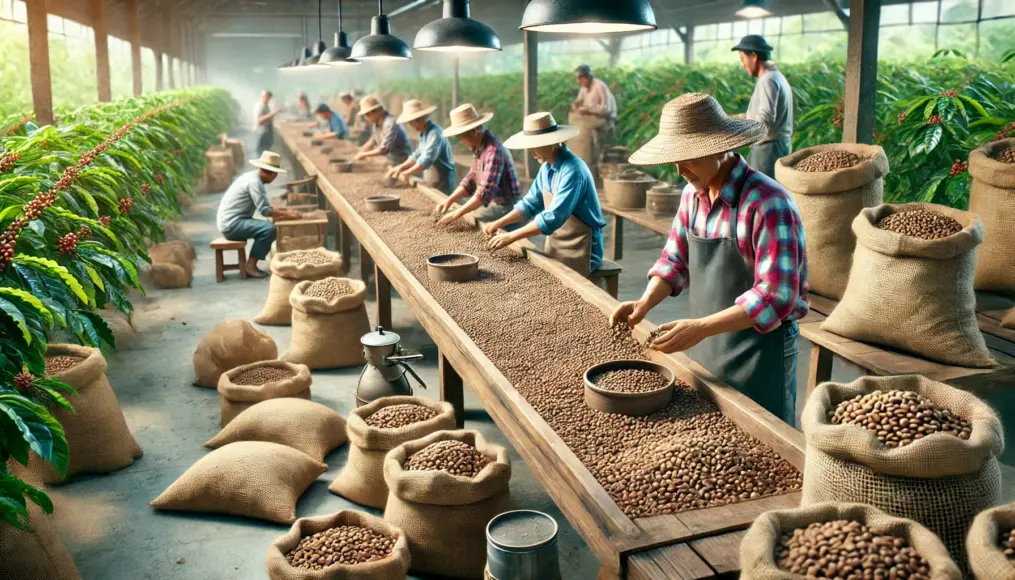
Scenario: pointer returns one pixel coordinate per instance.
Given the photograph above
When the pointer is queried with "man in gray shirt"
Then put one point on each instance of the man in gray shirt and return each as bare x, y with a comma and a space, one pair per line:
387, 137
263, 117
235, 218
771, 103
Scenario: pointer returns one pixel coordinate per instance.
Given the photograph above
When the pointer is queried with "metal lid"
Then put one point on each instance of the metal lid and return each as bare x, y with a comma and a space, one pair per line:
521, 530
380, 337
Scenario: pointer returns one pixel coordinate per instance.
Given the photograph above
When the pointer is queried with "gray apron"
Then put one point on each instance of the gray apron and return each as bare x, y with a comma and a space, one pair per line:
571, 244
439, 179
764, 155
753, 363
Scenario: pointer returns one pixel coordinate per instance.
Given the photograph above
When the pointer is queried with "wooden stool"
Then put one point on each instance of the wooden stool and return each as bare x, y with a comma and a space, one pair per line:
220, 245
609, 271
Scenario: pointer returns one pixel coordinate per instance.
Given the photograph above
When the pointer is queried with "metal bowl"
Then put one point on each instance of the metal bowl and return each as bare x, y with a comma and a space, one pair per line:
341, 165
441, 269
633, 404
522, 544
308, 133
315, 142
383, 202
326, 149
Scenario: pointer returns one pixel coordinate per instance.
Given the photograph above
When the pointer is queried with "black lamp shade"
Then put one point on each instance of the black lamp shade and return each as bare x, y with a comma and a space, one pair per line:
456, 32
755, 9
380, 44
588, 16
312, 54
338, 55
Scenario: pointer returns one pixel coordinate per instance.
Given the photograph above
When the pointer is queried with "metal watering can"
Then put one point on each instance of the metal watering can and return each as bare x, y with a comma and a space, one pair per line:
387, 365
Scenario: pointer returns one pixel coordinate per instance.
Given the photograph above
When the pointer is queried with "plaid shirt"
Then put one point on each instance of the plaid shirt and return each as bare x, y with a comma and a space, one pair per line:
770, 235
492, 177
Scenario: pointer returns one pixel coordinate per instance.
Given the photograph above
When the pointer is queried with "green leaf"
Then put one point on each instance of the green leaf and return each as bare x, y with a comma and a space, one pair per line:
99, 327
10, 212
30, 300
928, 111
975, 105
94, 277
52, 268
12, 312
37, 427
932, 137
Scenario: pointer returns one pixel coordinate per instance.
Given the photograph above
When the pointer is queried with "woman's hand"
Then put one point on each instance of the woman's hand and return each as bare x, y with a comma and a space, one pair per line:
680, 335
491, 229
631, 312
500, 241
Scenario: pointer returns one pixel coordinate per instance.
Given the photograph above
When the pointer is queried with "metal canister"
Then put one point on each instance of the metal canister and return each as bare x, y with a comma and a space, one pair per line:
522, 545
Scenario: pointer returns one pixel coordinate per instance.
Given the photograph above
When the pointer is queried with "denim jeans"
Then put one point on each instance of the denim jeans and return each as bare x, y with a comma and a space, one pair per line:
791, 354
263, 233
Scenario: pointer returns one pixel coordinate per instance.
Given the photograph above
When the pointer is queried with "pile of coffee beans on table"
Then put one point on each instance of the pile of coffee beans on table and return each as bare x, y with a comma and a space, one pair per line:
454, 457
457, 261
898, 418
58, 364
262, 375
631, 381
1007, 543
307, 258
347, 545
844, 549
397, 416
1007, 156
923, 224
328, 289
828, 161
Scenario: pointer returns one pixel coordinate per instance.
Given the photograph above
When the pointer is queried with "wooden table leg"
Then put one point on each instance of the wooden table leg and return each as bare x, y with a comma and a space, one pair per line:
617, 241
605, 574
345, 245
366, 264
383, 298
821, 367
452, 389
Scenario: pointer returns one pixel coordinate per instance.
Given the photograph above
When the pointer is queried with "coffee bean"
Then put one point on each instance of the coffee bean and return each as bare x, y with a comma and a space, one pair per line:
263, 374
58, 364
631, 381
328, 289
458, 261
848, 550
397, 416
1006, 541
828, 161
341, 545
307, 257
899, 418
1007, 156
454, 457
923, 224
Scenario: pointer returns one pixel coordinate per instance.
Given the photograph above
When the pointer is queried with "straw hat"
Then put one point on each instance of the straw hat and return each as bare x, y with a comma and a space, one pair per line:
269, 161
413, 110
694, 125
540, 130
464, 118
369, 103
345, 95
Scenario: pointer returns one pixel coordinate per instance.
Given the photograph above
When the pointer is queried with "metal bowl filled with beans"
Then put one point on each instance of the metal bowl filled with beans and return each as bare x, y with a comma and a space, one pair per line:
629, 387
383, 202
453, 267
341, 164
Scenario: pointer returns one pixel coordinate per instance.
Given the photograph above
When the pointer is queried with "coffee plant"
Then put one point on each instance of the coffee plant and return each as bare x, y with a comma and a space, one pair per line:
78, 202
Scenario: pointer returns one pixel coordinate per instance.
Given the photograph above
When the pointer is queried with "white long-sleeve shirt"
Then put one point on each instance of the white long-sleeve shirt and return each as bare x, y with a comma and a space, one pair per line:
598, 99
772, 104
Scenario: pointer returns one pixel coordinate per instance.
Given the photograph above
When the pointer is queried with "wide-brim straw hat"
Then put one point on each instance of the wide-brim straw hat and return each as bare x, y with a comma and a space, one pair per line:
414, 109
269, 161
464, 118
540, 130
369, 103
692, 126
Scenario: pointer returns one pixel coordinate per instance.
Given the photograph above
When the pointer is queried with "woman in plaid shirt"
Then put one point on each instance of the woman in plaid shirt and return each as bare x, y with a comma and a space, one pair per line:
738, 243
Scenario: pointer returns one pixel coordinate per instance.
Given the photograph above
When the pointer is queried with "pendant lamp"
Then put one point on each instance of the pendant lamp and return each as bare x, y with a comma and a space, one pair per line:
338, 55
312, 54
588, 16
754, 9
456, 32
380, 44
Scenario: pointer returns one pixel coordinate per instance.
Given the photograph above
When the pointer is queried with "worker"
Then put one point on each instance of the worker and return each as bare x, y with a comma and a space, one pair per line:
771, 103
595, 98
433, 156
351, 107
303, 107
333, 124
738, 243
492, 183
387, 137
562, 199
235, 218
263, 117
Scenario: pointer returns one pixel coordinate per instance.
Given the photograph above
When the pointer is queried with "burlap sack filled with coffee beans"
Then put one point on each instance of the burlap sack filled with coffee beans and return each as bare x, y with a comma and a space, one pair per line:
828, 201
172, 264
326, 332
757, 549
393, 567
992, 197
940, 480
97, 434
444, 516
320, 431
913, 294
218, 173
237, 398
289, 269
179, 252
362, 478
36, 553
230, 344
983, 544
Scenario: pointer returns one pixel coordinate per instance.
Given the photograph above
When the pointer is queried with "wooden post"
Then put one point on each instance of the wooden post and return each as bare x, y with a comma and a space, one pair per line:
101, 27
134, 33
688, 38
38, 58
617, 241
170, 44
184, 56
383, 298
530, 62
859, 120
158, 70
452, 390
456, 88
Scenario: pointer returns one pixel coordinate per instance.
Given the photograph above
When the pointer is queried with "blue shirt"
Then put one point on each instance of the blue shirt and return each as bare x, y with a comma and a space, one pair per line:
574, 193
434, 149
245, 196
336, 125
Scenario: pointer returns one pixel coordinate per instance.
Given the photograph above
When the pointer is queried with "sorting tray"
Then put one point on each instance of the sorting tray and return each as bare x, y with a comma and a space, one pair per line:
441, 269
341, 165
633, 404
383, 202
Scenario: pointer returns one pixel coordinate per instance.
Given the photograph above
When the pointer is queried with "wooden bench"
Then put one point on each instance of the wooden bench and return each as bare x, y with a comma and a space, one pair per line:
302, 234
610, 272
222, 245
637, 216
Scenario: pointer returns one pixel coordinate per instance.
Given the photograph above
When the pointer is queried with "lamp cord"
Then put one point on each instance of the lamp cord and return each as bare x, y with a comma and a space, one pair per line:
340, 15
320, 32
380, 7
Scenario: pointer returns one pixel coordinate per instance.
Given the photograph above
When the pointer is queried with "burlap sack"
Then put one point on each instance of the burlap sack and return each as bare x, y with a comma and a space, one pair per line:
320, 430
235, 147
285, 276
97, 434
828, 202
757, 549
986, 558
992, 197
394, 567
362, 478
168, 276
218, 174
230, 344
444, 516
179, 252
239, 398
35, 554
326, 333
940, 481
912, 294
252, 479
1009, 319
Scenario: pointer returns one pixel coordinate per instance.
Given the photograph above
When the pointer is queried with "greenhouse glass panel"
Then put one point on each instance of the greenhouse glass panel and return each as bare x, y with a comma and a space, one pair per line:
924, 12
958, 11
995, 8
895, 14
960, 37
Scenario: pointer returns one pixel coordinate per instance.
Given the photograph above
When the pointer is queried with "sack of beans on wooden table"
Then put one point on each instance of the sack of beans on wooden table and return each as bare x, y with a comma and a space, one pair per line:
912, 447
289, 269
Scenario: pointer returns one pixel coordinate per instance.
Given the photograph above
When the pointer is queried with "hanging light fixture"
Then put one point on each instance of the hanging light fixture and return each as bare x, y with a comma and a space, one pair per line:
456, 32
338, 55
380, 44
588, 16
312, 54
755, 9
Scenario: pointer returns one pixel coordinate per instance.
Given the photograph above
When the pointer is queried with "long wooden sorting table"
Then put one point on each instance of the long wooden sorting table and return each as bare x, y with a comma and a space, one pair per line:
693, 544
